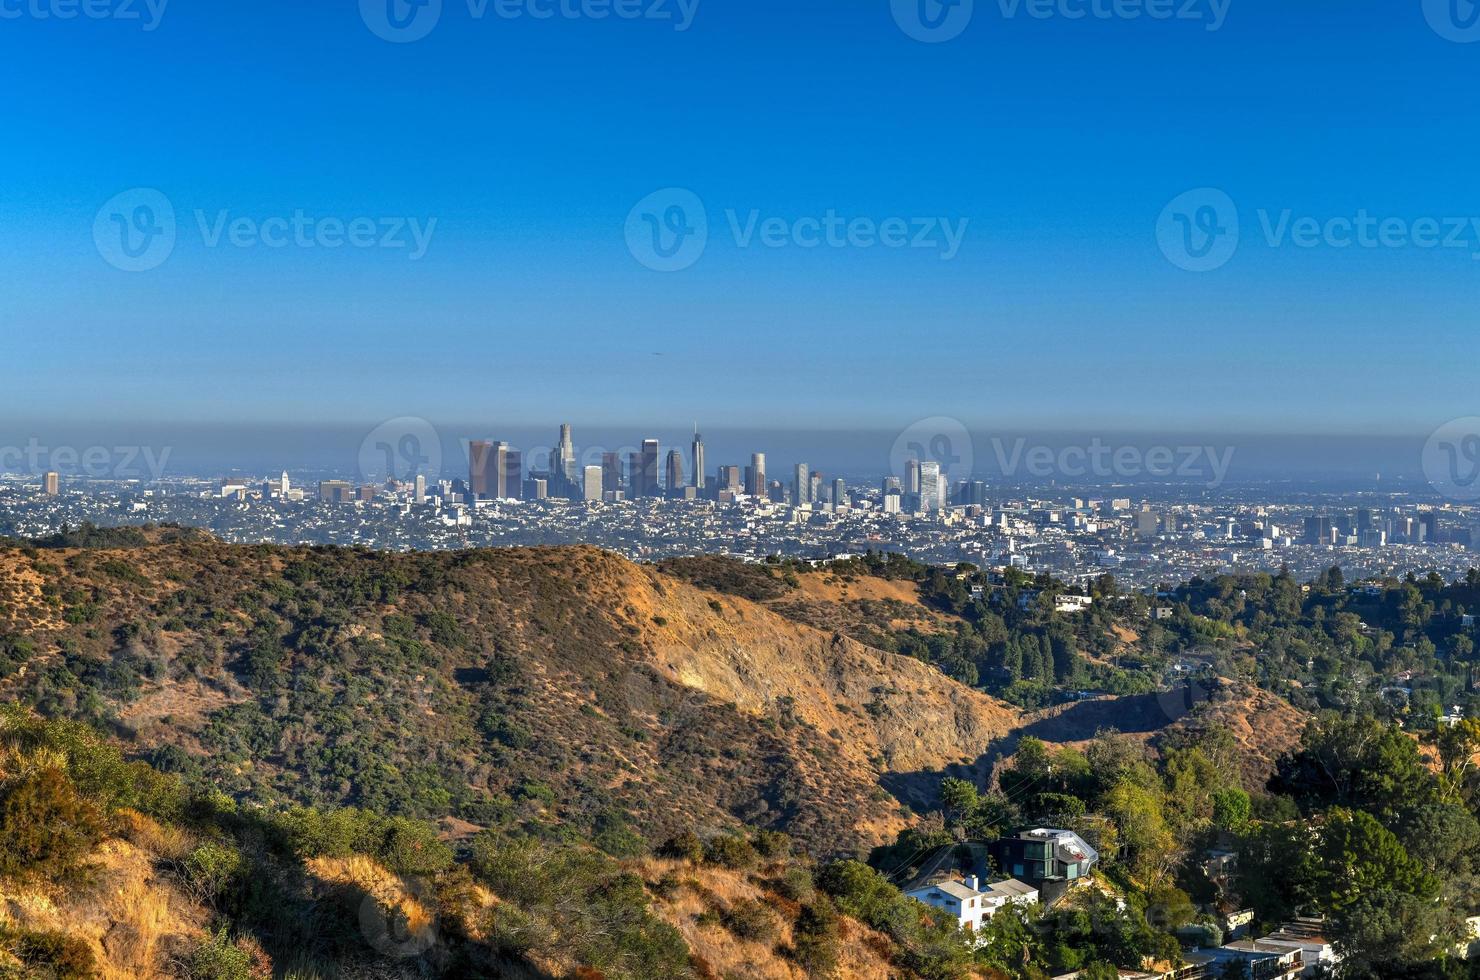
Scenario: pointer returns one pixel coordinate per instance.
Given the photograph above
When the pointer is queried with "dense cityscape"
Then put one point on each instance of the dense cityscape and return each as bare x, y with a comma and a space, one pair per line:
649, 504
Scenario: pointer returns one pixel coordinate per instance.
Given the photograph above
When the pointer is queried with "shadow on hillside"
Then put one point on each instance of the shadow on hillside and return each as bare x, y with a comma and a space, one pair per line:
1132, 714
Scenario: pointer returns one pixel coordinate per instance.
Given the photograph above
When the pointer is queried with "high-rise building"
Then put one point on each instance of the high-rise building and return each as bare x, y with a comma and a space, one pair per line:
645, 481
479, 454
421, 487
755, 483
729, 479
595, 482
801, 485
335, 491
698, 452
53, 483
611, 472
931, 487
840, 493
1318, 529
892, 484
674, 473
1429, 520
634, 475
913, 476
496, 471
564, 465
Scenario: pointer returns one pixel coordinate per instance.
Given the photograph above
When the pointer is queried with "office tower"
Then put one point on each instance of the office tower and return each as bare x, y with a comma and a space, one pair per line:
1430, 523
1146, 523
564, 464
674, 473
756, 476
931, 486
334, 491
1364, 520
801, 485
479, 454
53, 483
815, 491
283, 485
645, 480
421, 488
595, 482
501, 475
913, 476
538, 488
729, 479
634, 475
611, 472
698, 450
840, 494
1318, 529
367, 492
892, 501
892, 484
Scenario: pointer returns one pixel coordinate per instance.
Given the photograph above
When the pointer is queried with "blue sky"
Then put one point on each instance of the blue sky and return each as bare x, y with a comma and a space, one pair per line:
1058, 141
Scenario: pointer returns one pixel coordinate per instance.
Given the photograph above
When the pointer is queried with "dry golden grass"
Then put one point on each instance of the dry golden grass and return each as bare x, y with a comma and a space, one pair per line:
128, 914
710, 890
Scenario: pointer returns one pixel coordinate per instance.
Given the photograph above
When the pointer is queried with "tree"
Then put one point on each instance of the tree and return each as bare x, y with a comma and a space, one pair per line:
1231, 809
1357, 857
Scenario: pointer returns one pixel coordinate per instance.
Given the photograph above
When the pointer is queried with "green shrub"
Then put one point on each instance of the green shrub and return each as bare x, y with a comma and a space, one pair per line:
684, 847
218, 958
50, 955
750, 919
46, 827
730, 851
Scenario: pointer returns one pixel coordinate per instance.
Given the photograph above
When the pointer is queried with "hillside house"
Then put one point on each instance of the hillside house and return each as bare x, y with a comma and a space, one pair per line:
970, 902
1044, 855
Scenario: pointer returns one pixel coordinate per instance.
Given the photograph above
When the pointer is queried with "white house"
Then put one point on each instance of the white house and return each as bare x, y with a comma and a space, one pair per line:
969, 902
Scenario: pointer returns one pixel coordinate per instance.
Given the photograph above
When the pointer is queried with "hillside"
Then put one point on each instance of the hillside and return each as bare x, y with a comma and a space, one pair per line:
489, 686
